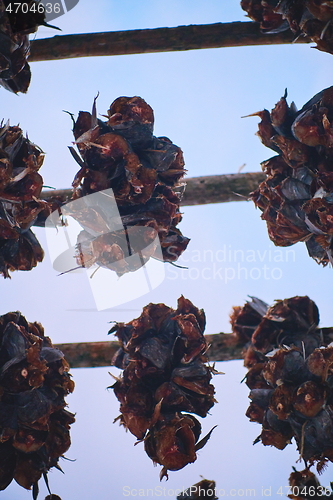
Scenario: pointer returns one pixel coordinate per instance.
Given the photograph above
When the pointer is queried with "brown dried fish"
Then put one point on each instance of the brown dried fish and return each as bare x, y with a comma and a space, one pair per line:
20, 205
203, 489
34, 424
290, 376
17, 21
143, 172
165, 374
296, 197
311, 18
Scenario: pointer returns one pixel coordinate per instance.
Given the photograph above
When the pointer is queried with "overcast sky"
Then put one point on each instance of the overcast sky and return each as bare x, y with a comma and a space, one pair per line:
198, 98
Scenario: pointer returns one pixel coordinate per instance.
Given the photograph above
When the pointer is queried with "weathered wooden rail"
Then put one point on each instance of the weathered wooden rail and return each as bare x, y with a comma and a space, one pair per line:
93, 354
144, 41
201, 190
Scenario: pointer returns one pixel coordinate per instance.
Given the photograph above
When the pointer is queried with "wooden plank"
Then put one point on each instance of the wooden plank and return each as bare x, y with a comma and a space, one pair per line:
89, 354
94, 354
222, 347
115, 43
201, 190
220, 188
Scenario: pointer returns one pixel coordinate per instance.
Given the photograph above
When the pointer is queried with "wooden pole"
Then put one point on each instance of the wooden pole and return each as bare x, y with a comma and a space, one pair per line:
222, 347
220, 188
94, 354
115, 43
200, 190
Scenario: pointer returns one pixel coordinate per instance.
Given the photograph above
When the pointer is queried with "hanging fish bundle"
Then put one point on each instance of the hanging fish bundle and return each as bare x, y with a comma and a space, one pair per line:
265, 13
144, 173
17, 21
203, 489
310, 18
297, 196
262, 328
304, 485
34, 425
290, 376
20, 188
164, 375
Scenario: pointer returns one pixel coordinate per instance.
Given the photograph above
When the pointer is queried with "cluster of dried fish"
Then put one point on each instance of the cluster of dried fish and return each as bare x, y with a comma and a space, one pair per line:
34, 425
203, 489
311, 18
17, 21
143, 172
297, 196
165, 374
289, 322
20, 188
304, 485
290, 375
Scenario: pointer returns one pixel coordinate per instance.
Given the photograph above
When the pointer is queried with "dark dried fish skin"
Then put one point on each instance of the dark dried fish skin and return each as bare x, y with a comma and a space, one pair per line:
34, 424
296, 199
145, 174
290, 361
164, 375
311, 18
20, 205
15, 27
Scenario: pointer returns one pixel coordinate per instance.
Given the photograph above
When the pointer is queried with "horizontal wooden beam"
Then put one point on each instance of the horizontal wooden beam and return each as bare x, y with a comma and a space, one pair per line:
220, 188
201, 190
115, 43
89, 354
222, 347
93, 354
